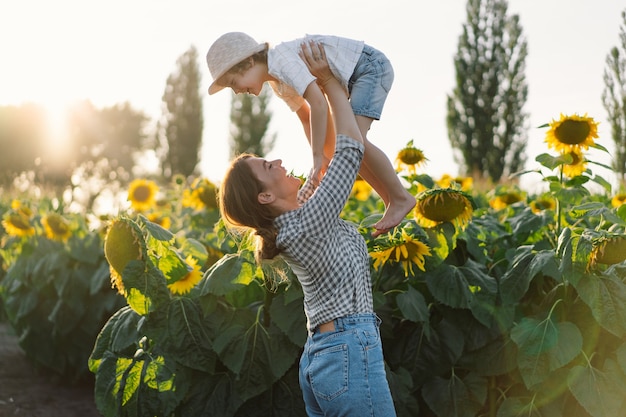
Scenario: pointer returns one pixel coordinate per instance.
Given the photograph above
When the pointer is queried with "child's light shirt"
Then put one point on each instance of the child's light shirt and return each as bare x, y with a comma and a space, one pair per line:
327, 253
285, 64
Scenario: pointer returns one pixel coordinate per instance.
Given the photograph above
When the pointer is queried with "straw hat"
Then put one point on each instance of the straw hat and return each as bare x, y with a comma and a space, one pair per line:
226, 52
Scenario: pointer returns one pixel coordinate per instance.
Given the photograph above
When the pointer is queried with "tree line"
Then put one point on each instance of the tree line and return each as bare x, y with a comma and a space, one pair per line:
486, 117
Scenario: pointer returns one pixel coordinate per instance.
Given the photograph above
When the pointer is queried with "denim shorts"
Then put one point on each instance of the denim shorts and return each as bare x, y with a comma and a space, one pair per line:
343, 372
370, 83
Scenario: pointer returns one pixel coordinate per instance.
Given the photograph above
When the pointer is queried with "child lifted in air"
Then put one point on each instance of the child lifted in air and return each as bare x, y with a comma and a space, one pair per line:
239, 62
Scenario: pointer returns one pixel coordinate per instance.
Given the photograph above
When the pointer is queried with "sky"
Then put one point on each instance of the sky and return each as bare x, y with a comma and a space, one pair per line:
57, 52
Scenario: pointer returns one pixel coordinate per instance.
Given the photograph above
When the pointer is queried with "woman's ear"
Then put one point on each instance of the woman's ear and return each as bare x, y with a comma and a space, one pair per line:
266, 198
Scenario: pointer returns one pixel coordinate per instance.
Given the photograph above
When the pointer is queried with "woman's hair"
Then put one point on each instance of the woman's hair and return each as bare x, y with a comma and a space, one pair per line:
240, 207
244, 64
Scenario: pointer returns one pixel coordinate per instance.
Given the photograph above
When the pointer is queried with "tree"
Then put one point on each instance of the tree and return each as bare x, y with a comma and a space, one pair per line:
249, 120
485, 119
112, 137
614, 99
22, 130
182, 121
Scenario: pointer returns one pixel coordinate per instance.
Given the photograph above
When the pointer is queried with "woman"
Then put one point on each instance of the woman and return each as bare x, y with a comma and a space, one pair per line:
341, 369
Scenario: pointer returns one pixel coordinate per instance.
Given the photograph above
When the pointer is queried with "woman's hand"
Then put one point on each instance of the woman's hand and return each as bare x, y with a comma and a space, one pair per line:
314, 57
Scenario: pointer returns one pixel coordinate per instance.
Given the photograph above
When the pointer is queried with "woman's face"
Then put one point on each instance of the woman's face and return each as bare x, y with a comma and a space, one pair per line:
274, 177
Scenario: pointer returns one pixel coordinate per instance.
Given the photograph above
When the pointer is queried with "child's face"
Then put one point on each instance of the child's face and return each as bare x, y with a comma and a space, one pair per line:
249, 81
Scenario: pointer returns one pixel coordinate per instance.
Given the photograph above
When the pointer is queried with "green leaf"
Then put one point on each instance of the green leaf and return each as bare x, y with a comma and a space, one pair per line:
606, 297
187, 336
402, 387
212, 395
145, 286
228, 274
524, 267
156, 230
518, 407
192, 247
259, 356
498, 357
455, 396
145, 383
602, 392
552, 162
413, 305
289, 317
171, 265
544, 346
467, 286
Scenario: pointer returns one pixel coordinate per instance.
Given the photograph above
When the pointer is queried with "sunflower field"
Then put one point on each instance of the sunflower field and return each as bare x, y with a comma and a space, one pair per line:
493, 303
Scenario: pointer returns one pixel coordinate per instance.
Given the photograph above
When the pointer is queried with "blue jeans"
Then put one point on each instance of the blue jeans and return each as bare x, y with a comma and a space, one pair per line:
370, 83
342, 373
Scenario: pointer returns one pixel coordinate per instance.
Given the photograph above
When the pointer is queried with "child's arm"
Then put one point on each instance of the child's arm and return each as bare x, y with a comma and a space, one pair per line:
319, 125
345, 122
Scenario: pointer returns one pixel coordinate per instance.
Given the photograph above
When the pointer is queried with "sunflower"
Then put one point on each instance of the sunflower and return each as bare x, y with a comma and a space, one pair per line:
17, 224
447, 181
203, 194
440, 205
361, 190
618, 199
578, 165
505, 197
405, 249
544, 202
571, 132
608, 250
56, 227
142, 194
123, 243
410, 158
186, 283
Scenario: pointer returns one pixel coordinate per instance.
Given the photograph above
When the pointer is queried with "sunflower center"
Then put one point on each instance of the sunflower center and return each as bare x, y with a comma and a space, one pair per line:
572, 132
142, 193
19, 222
411, 156
442, 207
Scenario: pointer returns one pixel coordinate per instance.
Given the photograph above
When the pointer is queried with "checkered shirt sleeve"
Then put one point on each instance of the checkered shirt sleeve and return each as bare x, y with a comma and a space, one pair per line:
328, 254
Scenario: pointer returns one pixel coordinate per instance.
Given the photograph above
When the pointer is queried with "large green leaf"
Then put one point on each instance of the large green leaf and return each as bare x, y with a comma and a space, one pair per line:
525, 266
288, 314
186, 335
412, 305
229, 274
455, 396
497, 357
606, 297
402, 387
145, 286
544, 346
467, 286
119, 333
211, 395
602, 392
143, 385
259, 356
283, 399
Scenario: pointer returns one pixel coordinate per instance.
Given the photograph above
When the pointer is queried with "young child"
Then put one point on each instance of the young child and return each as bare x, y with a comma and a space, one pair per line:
237, 61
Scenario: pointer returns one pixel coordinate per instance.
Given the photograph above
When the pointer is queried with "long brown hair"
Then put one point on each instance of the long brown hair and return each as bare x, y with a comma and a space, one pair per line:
240, 207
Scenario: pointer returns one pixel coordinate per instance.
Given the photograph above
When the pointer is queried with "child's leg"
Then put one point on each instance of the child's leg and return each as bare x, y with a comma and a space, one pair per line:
378, 171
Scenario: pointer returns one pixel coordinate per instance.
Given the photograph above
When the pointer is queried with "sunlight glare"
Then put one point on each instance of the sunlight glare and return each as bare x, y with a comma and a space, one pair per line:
57, 139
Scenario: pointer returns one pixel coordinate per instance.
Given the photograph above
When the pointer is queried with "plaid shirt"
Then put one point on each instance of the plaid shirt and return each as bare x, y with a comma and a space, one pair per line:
327, 254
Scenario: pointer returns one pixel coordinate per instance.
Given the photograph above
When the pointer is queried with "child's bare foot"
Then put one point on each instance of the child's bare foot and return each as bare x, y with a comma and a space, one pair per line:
394, 214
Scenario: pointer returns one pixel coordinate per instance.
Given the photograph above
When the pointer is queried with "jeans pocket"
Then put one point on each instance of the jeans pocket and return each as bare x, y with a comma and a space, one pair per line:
328, 372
